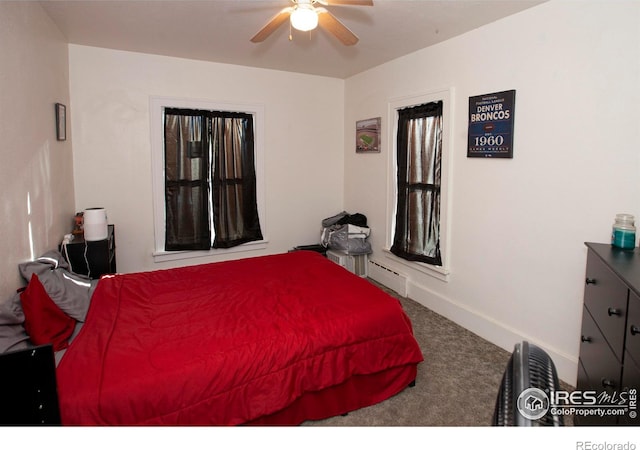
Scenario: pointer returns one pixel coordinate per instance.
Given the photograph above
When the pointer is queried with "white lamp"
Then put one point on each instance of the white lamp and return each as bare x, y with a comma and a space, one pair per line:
304, 18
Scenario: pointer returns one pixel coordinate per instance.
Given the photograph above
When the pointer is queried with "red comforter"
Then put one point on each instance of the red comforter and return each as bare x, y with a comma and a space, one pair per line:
227, 343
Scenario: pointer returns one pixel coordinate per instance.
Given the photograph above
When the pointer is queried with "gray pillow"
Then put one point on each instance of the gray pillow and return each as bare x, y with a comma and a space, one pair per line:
13, 336
70, 291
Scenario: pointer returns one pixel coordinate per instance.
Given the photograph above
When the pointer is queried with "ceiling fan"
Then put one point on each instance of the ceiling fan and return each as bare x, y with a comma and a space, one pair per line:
304, 15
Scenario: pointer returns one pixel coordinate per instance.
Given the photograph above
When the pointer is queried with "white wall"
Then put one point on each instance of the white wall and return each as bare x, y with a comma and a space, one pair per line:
518, 225
304, 130
36, 172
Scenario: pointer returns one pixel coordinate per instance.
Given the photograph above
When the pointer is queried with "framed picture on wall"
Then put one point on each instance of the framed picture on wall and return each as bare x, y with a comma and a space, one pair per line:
368, 135
491, 119
61, 122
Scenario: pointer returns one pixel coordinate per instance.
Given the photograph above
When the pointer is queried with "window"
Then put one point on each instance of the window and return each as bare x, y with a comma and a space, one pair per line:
418, 190
208, 178
418, 158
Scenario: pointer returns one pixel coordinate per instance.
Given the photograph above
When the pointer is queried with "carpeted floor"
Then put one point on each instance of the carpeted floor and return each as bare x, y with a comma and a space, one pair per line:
457, 384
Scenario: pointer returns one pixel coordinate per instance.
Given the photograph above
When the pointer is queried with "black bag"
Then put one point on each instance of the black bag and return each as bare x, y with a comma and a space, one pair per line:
344, 218
357, 219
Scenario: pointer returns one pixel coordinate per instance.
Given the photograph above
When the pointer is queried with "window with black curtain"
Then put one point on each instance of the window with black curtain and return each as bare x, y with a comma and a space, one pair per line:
210, 180
419, 156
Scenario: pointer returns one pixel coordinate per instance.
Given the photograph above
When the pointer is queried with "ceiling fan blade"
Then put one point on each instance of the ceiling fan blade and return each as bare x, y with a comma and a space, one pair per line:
333, 25
349, 2
272, 25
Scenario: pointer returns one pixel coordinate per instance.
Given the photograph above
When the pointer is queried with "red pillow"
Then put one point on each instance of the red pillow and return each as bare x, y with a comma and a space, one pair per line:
44, 321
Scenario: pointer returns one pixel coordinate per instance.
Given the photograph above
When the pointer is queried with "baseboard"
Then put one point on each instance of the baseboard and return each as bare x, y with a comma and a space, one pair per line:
488, 328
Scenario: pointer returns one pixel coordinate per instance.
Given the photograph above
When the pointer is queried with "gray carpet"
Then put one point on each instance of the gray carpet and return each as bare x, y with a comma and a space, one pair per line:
457, 384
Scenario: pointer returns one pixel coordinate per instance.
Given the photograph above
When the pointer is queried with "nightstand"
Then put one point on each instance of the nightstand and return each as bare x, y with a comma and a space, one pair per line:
92, 258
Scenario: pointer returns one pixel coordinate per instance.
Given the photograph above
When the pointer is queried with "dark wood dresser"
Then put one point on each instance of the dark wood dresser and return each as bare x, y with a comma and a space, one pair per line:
610, 339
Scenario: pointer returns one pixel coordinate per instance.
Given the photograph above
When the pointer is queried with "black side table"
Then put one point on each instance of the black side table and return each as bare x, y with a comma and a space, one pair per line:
92, 258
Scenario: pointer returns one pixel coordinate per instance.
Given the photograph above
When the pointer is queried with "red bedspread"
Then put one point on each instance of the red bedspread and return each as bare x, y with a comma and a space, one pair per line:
227, 343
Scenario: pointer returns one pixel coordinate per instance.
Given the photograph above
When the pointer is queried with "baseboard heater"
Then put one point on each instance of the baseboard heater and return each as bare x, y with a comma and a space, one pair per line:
388, 277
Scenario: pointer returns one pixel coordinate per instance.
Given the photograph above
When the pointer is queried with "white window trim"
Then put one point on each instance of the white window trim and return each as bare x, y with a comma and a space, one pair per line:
156, 107
447, 96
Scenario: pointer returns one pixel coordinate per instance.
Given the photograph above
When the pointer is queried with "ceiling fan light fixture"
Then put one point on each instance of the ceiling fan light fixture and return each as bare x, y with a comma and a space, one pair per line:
304, 18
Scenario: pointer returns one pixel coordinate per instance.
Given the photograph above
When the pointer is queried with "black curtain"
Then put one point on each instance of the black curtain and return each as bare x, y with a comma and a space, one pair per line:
235, 211
186, 183
419, 154
210, 180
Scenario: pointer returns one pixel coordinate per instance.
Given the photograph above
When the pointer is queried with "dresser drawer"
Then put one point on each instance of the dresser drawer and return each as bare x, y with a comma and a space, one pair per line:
601, 366
633, 330
585, 384
605, 296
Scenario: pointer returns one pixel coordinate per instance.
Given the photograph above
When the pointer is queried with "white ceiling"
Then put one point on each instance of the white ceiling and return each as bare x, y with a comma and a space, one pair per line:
219, 30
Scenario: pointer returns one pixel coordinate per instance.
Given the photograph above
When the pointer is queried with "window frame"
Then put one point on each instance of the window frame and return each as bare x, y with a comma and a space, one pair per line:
157, 107
446, 96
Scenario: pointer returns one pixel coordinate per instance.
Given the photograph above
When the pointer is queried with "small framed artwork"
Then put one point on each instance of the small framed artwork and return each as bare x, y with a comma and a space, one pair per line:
368, 136
61, 122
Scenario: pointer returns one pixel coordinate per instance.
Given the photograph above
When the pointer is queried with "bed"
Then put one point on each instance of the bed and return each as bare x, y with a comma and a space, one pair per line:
276, 339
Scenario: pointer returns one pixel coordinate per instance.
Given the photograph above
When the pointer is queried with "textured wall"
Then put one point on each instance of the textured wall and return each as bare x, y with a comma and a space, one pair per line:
36, 170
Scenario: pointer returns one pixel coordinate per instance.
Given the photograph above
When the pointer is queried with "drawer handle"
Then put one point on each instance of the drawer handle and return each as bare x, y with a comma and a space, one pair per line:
614, 312
634, 330
585, 338
590, 281
608, 383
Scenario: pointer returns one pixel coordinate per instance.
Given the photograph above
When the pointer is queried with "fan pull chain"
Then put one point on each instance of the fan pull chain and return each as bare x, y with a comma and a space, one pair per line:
290, 36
